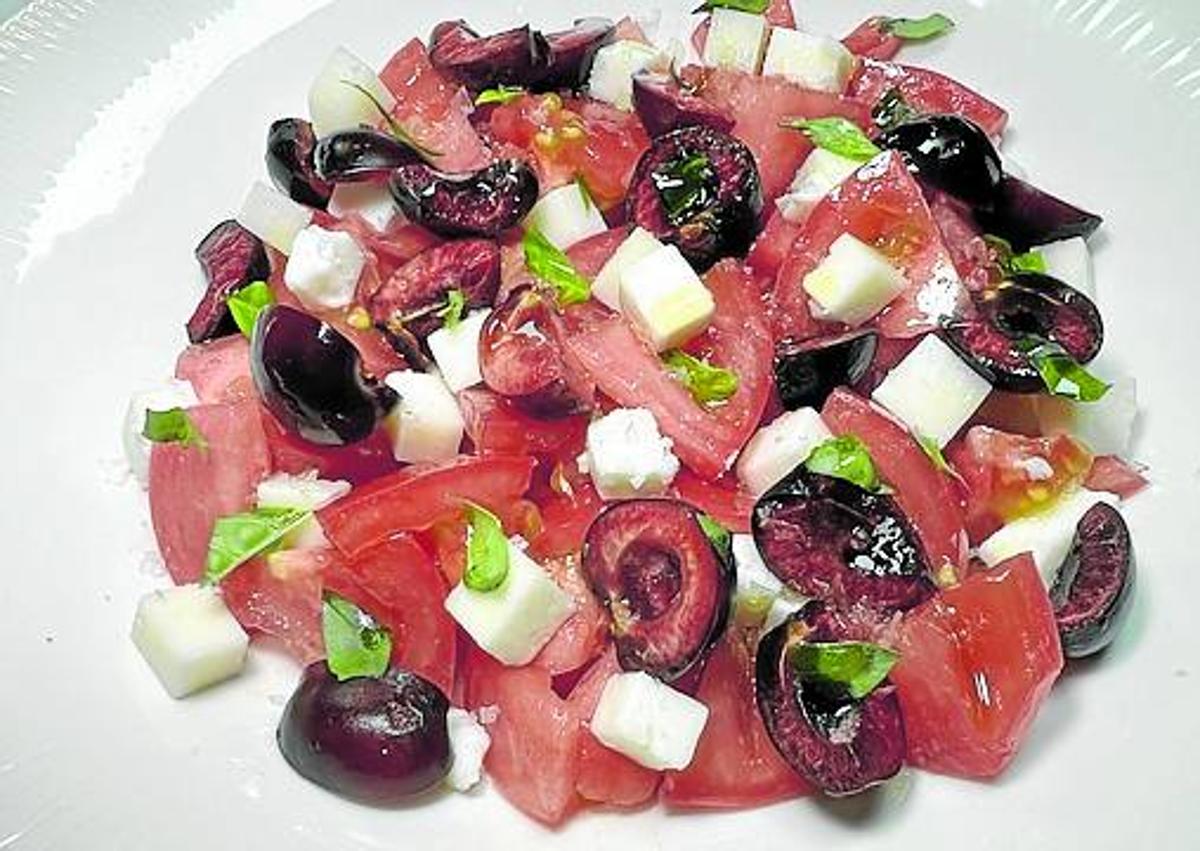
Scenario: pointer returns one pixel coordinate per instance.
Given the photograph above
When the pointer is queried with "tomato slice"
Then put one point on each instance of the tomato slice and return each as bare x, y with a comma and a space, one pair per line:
881, 205
1116, 475
927, 91
496, 426
976, 662
722, 500
219, 371
928, 497
191, 486
358, 463
870, 41
582, 637
736, 766
626, 369
566, 518
773, 246
416, 497
282, 600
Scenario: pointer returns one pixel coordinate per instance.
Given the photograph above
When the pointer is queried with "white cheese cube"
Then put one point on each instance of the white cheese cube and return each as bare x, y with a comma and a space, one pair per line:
1070, 260
371, 201
336, 99
665, 299
627, 456
932, 391
607, 286
854, 282
426, 423
777, 448
273, 217
566, 215
821, 172
759, 591
324, 267
469, 743
1047, 535
812, 61
1104, 426
189, 638
306, 492
648, 721
456, 351
167, 396
512, 622
736, 40
611, 78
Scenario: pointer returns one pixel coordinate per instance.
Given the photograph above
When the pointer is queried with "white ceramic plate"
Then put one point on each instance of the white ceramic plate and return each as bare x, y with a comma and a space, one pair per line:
129, 128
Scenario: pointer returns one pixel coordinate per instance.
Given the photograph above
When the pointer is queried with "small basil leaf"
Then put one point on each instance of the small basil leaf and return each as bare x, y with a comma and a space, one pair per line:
393, 125
1011, 263
173, 426
1062, 374
547, 263
754, 7
853, 667
718, 536
487, 551
501, 95
240, 537
892, 110
452, 313
844, 458
708, 384
837, 135
245, 305
917, 29
355, 644
686, 185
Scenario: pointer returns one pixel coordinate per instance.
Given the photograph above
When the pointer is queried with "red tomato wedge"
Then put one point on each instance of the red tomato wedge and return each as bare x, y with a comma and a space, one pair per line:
759, 104
928, 497
191, 486
722, 500
358, 463
870, 41
433, 110
282, 599
590, 255
626, 369
976, 662
496, 426
1116, 475
735, 765
219, 371
927, 91
534, 756
398, 584
773, 246
582, 637
416, 497
566, 518
881, 205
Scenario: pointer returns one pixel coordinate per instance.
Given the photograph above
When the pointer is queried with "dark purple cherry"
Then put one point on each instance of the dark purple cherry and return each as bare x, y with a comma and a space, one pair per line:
806, 372
486, 203
290, 144
510, 58
569, 60
230, 257
1026, 216
949, 153
351, 156
665, 105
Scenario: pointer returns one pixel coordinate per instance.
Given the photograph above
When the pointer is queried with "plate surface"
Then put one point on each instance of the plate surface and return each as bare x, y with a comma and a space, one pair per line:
130, 127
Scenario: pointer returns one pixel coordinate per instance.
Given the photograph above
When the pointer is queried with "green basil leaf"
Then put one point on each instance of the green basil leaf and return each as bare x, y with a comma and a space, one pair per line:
501, 95
844, 458
837, 135
547, 263
240, 537
853, 667
708, 384
393, 125
1061, 373
754, 7
355, 644
917, 29
892, 110
1011, 263
718, 536
686, 185
245, 304
452, 313
173, 426
1030, 261
487, 551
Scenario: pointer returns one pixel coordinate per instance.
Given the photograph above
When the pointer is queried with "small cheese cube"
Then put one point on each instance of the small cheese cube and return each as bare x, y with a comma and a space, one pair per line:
426, 423
370, 201
611, 78
648, 721
665, 299
336, 99
324, 267
821, 172
566, 215
759, 597
1070, 260
1104, 426
777, 448
607, 286
736, 40
854, 282
469, 743
627, 456
932, 391
512, 622
307, 493
273, 217
456, 351
812, 61
189, 638
1047, 536
170, 394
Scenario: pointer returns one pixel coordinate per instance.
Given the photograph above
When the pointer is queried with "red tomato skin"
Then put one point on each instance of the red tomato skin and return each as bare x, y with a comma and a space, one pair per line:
191, 486
976, 663
358, 463
736, 766
928, 497
583, 635
219, 371
927, 91
869, 41
1116, 475
566, 519
722, 500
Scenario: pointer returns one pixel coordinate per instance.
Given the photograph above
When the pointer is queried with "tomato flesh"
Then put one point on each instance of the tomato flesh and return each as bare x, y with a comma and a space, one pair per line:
1116, 475
583, 635
927, 92
870, 41
283, 602
219, 371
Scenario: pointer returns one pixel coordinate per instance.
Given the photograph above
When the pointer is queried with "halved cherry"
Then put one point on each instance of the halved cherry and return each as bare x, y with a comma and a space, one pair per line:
807, 371
665, 584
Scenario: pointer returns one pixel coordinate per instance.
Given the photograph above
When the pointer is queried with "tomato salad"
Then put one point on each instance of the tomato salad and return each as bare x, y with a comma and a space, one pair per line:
709, 421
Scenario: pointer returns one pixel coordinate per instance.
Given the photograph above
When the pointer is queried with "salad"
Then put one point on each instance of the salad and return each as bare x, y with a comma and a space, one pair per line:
709, 420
